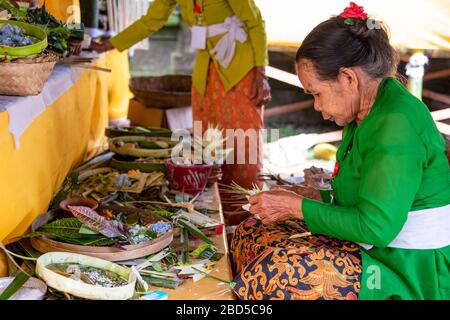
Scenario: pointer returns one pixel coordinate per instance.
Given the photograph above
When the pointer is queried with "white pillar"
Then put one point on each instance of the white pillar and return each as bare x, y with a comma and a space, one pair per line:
415, 70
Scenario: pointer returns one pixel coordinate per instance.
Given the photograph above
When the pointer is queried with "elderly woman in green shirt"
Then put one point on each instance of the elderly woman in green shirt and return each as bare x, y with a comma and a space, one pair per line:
391, 190
229, 83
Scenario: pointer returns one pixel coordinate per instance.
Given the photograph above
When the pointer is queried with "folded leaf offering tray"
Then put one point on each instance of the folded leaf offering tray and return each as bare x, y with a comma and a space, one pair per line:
70, 280
100, 247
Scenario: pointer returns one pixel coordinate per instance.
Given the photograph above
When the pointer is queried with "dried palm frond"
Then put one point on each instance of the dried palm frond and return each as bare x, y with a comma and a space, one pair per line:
239, 192
206, 148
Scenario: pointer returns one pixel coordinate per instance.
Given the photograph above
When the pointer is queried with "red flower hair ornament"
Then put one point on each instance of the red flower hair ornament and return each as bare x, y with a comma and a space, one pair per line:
353, 12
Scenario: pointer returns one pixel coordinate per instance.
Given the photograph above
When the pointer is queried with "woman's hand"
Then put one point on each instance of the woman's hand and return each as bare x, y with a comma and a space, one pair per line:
260, 92
304, 191
101, 47
276, 206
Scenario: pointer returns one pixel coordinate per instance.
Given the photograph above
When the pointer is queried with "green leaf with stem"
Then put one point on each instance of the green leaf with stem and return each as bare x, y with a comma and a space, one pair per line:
230, 283
15, 285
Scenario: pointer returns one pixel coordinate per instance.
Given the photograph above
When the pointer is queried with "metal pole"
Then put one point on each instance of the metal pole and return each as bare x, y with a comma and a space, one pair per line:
415, 70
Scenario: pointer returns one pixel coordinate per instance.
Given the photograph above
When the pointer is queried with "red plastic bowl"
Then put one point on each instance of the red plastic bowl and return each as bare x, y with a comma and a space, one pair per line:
190, 179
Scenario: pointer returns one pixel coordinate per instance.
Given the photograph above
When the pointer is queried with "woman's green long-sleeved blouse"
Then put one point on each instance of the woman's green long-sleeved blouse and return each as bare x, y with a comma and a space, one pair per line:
392, 163
250, 54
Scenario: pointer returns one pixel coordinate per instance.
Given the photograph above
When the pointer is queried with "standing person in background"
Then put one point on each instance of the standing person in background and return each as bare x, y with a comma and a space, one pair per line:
390, 199
230, 87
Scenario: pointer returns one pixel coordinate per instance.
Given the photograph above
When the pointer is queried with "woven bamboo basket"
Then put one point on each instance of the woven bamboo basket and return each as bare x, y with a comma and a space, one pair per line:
26, 77
170, 91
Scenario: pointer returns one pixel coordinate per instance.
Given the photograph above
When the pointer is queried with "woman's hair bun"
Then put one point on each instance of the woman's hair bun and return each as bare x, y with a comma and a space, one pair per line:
349, 42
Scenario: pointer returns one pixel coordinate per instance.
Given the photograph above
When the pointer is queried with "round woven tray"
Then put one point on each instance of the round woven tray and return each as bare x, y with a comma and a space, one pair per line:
170, 91
26, 77
111, 253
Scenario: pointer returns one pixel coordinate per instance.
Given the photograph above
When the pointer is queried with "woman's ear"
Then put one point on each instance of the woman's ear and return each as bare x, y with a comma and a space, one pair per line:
348, 78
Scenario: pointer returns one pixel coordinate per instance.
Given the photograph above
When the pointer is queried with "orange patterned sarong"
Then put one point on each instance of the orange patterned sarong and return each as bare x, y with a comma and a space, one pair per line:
231, 110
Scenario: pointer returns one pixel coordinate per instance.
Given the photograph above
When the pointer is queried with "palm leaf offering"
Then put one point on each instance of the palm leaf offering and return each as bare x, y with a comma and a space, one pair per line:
112, 226
208, 148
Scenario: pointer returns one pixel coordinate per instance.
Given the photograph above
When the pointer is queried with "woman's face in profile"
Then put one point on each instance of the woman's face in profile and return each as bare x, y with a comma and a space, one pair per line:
337, 100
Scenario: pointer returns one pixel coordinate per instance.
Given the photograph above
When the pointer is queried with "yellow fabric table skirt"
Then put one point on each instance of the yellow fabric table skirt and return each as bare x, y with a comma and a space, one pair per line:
68, 132
119, 94
118, 84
